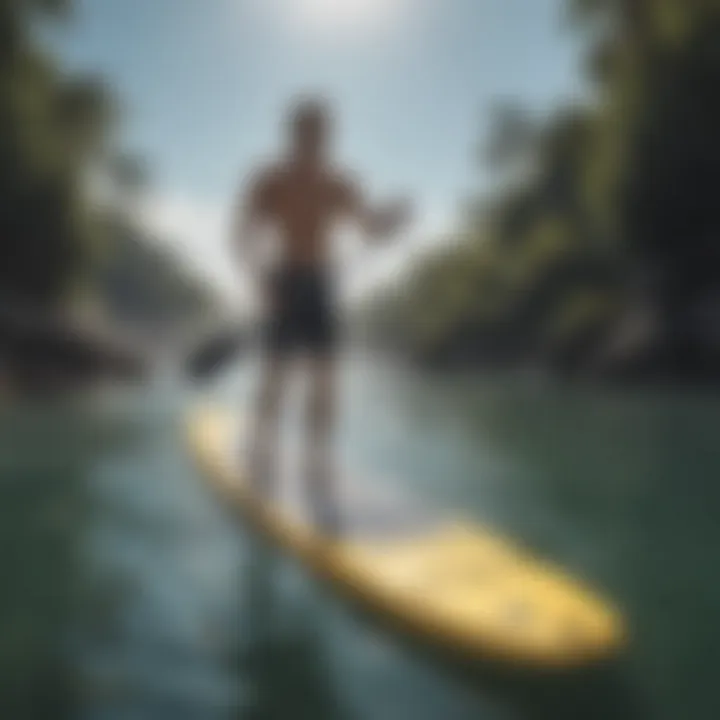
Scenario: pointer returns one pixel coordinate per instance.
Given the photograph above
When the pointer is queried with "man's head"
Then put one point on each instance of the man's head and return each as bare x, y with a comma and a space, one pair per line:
310, 125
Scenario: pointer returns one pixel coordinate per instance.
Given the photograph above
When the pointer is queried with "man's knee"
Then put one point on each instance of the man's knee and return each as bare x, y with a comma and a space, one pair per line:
322, 403
270, 392
321, 408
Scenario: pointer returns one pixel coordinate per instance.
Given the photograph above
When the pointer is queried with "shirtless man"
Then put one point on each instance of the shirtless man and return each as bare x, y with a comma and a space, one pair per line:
302, 197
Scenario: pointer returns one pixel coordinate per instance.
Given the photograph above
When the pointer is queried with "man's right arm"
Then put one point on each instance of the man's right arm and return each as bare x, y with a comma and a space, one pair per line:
252, 212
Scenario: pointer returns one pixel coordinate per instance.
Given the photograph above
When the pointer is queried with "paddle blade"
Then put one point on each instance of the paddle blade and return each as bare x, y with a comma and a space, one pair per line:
215, 354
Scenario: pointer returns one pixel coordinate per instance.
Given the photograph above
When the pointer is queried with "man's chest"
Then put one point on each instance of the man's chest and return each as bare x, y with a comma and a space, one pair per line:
305, 202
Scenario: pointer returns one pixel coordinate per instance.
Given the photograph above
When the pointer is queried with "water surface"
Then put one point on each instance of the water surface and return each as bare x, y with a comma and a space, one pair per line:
128, 592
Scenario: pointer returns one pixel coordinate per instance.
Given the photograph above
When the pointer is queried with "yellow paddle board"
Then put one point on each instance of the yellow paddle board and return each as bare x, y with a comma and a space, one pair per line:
453, 583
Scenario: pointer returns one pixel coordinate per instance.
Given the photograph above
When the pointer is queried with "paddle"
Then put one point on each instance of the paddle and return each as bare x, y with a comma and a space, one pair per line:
211, 356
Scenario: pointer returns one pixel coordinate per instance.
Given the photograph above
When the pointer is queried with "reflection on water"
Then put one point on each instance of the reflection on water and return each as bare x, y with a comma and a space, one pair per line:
47, 457
284, 665
37, 557
128, 592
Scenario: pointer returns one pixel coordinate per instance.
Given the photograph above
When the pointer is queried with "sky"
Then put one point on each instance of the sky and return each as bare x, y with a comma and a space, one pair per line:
204, 83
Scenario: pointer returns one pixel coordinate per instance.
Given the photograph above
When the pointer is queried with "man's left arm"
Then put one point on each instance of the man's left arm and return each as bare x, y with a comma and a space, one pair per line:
378, 222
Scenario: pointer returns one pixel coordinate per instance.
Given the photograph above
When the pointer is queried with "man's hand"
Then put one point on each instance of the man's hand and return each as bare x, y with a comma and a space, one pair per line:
376, 221
390, 219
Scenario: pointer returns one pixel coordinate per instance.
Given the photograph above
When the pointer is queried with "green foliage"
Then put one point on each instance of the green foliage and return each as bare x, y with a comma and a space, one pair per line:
56, 133
621, 187
580, 311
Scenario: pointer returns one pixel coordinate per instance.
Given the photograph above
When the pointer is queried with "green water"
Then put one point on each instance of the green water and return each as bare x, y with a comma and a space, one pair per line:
128, 593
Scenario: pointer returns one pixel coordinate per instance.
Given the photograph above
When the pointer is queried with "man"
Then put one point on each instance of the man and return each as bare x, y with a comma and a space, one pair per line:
302, 197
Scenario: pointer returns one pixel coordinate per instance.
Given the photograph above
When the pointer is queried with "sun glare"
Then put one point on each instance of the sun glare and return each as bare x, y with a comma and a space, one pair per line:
348, 15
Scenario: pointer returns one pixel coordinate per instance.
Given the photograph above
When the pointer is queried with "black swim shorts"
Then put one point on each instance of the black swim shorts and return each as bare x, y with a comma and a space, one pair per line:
302, 313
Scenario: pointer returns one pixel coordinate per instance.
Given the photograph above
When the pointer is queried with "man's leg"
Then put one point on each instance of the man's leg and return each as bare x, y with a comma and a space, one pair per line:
265, 442
320, 426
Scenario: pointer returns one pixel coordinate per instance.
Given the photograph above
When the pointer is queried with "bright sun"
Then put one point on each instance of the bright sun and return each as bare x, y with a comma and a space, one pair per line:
332, 15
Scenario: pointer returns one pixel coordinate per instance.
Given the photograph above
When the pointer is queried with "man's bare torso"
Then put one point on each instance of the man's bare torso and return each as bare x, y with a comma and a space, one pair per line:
302, 203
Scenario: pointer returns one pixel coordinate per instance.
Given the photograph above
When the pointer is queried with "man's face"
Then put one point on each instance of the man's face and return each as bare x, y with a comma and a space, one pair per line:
311, 129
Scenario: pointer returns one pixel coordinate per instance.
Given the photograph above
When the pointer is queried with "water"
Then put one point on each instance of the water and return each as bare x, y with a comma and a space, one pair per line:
129, 593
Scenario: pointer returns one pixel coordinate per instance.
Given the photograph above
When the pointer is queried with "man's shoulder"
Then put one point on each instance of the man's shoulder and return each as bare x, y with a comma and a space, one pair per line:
341, 175
344, 181
267, 175
271, 176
